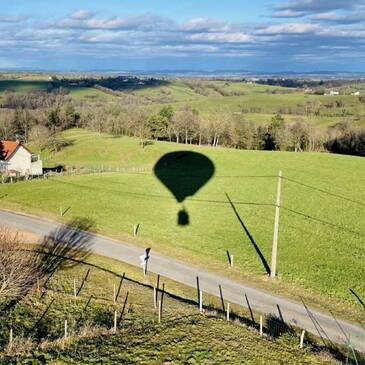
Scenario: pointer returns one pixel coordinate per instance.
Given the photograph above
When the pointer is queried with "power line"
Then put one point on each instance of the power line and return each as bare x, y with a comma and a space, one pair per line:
165, 197
181, 175
221, 202
324, 222
324, 191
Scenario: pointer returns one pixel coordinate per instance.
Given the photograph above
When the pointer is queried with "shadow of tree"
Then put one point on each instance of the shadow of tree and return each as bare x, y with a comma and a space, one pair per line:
65, 246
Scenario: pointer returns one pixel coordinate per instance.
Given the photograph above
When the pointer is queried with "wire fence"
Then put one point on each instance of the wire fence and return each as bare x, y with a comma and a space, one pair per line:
70, 171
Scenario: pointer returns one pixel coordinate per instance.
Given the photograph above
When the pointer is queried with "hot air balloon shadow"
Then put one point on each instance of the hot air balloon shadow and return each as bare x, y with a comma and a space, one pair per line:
184, 173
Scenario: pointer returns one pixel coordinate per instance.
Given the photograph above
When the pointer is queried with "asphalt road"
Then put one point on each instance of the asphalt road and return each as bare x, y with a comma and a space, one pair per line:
318, 323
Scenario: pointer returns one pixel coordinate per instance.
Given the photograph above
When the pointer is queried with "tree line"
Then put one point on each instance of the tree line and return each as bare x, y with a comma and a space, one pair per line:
39, 119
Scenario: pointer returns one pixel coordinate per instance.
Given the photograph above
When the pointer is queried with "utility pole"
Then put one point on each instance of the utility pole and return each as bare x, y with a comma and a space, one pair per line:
274, 252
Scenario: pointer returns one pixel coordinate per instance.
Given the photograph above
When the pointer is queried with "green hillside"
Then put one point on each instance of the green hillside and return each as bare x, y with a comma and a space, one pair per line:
321, 234
217, 99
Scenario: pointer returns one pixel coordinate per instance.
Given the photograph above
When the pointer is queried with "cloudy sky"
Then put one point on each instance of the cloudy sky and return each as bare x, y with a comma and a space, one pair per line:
256, 35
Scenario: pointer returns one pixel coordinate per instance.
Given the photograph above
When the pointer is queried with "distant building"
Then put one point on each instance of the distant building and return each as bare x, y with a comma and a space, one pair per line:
17, 160
356, 93
332, 93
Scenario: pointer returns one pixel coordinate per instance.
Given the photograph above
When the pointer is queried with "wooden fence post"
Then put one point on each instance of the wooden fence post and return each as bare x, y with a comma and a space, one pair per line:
75, 291
222, 299
302, 339
154, 298
115, 321
198, 289
65, 335
227, 312
11, 338
159, 311
261, 327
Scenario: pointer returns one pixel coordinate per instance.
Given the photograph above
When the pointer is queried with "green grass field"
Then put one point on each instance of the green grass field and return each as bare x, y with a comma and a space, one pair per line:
321, 238
89, 94
257, 103
23, 85
183, 336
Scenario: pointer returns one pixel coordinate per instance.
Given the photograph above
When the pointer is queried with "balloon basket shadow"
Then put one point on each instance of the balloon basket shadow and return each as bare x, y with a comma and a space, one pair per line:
183, 218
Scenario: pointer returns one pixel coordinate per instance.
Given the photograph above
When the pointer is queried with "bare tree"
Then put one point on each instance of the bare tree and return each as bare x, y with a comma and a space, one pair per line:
142, 131
299, 136
185, 123
18, 268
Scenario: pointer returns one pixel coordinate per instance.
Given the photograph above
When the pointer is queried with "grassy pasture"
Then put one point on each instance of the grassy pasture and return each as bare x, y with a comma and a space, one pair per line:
89, 94
23, 85
183, 337
321, 244
253, 97
28, 85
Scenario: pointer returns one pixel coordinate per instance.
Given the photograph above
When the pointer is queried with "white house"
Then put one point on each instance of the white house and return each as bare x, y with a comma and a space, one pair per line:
16, 159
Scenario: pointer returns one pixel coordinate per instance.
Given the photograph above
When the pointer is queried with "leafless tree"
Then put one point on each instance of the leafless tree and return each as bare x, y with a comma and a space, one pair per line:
18, 267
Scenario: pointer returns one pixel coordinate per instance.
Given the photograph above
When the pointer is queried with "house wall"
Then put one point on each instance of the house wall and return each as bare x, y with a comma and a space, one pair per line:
20, 161
37, 168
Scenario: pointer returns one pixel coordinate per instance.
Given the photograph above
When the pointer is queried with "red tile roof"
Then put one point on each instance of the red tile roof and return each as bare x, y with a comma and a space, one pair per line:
7, 148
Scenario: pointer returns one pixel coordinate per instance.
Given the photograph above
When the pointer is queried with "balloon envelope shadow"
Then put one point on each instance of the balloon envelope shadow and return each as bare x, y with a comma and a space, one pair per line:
184, 173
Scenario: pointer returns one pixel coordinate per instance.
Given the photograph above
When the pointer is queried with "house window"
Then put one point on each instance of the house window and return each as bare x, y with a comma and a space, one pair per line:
34, 158
3, 166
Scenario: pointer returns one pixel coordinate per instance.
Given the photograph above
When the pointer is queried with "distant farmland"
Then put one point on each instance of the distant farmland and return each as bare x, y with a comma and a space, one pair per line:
255, 103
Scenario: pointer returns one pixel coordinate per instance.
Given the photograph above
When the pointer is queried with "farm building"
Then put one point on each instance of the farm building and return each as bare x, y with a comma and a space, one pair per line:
17, 160
332, 93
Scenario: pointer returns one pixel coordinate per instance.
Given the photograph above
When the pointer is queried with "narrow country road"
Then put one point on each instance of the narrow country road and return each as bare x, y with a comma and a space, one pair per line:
313, 321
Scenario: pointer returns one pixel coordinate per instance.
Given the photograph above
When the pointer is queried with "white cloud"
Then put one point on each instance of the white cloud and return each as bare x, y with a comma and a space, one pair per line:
342, 18
290, 28
316, 6
288, 14
222, 37
12, 19
82, 20
205, 24
81, 15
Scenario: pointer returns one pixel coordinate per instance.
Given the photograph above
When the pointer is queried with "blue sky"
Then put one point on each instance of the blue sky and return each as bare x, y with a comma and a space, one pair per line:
256, 35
